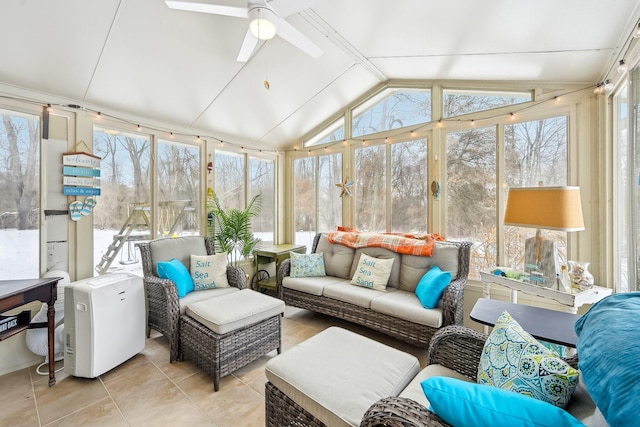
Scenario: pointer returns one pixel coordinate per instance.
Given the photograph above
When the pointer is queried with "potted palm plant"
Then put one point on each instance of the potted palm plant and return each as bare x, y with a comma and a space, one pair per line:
231, 228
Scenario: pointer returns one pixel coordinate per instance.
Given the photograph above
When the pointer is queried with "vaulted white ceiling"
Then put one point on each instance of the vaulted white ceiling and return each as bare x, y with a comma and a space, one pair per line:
147, 61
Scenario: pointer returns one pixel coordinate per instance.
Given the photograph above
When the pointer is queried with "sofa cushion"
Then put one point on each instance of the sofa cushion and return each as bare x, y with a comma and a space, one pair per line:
413, 268
372, 273
337, 258
203, 295
462, 403
513, 360
414, 390
337, 375
311, 285
406, 305
307, 265
180, 248
357, 295
381, 253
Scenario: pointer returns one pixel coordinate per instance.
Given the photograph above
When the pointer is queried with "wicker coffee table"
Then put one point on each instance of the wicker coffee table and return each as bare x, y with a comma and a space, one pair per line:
225, 333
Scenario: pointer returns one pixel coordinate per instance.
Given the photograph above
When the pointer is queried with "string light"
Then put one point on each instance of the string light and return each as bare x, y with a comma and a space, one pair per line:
139, 128
49, 107
636, 32
473, 122
622, 67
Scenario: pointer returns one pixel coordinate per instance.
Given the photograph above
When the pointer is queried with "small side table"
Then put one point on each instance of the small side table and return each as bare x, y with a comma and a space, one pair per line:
277, 254
571, 301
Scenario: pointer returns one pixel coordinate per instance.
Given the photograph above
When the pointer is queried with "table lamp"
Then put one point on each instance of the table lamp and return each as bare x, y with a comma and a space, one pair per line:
551, 208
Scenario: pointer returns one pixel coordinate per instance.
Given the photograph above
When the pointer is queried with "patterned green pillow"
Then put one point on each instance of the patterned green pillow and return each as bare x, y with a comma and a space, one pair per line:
513, 360
310, 265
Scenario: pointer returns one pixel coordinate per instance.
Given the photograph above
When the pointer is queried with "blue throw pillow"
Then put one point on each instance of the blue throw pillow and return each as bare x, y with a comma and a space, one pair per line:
462, 403
609, 348
175, 271
431, 286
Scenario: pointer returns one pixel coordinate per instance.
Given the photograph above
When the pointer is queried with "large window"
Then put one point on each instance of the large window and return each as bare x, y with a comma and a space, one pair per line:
123, 213
626, 226
230, 182
19, 195
262, 181
178, 189
406, 190
392, 109
317, 201
535, 154
239, 178
459, 102
471, 193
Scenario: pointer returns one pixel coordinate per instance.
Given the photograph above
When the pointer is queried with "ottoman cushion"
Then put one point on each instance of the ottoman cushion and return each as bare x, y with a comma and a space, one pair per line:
337, 375
236, 310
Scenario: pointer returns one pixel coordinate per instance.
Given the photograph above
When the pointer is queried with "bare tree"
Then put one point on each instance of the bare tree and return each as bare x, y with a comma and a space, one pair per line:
22, 166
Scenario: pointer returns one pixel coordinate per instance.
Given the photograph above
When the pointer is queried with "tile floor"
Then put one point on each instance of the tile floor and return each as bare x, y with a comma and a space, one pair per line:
147, 390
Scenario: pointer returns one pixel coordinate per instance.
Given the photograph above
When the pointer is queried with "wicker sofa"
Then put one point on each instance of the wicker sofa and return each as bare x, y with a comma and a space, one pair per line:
455, 351
396, 312
163, 306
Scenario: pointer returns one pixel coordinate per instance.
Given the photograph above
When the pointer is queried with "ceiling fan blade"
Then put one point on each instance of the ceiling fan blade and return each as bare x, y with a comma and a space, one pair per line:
296, 38
216, 9
284, 8
248, 45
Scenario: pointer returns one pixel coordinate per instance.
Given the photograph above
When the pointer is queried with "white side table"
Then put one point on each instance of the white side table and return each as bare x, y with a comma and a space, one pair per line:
570, 301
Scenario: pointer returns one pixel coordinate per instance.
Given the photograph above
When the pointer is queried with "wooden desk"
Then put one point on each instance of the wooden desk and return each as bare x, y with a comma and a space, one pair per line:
14, 293
548, 325
277, 254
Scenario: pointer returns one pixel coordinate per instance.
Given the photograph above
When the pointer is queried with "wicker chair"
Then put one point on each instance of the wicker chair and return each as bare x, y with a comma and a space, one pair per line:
163, 305
455, 347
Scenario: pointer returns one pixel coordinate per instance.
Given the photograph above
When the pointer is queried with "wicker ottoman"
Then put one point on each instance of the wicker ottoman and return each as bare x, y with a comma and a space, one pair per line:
332, 379
224, 333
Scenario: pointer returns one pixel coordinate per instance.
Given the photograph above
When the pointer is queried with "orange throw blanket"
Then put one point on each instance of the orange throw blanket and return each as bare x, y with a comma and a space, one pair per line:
409, 244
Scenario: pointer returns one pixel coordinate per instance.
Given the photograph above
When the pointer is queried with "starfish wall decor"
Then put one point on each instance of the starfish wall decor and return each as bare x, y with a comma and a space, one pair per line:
345, 187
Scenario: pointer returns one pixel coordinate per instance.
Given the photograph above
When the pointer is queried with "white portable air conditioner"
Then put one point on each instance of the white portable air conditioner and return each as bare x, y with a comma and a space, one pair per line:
104, 323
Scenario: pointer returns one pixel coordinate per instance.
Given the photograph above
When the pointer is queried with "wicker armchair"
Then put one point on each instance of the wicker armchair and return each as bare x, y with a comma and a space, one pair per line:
455, 347
163, 305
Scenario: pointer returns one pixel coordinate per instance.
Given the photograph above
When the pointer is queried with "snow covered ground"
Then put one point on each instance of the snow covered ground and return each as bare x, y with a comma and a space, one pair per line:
19, 251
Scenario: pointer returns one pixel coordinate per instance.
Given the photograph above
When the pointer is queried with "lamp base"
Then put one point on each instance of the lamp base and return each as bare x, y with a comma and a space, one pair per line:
544, 258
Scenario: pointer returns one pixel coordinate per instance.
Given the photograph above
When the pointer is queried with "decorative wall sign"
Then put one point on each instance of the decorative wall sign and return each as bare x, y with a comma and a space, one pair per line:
80, 181
81, 177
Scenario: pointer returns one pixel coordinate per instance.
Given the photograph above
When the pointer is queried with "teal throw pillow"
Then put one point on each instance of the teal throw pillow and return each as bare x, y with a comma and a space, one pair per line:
311, 265
432, 285
513, 360
462, 404
175, 271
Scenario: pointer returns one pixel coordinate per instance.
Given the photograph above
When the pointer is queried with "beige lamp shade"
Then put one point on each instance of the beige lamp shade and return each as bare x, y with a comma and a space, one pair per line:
551, 208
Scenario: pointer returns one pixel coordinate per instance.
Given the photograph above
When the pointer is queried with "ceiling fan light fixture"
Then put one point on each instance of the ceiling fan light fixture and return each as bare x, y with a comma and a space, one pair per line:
263, 22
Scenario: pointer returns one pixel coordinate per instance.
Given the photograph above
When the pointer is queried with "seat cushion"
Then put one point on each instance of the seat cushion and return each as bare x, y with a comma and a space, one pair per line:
406, 305
337, 375
203, 295
445, 256
234, 311
337, 258
357, 295
310, 285
414, 390
180, 248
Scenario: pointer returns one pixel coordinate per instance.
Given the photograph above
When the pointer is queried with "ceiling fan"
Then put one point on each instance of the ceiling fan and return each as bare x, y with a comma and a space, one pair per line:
266, 20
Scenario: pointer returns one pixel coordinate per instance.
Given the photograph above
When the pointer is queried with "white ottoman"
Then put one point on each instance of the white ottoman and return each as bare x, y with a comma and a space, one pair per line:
333, 378
224, 333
